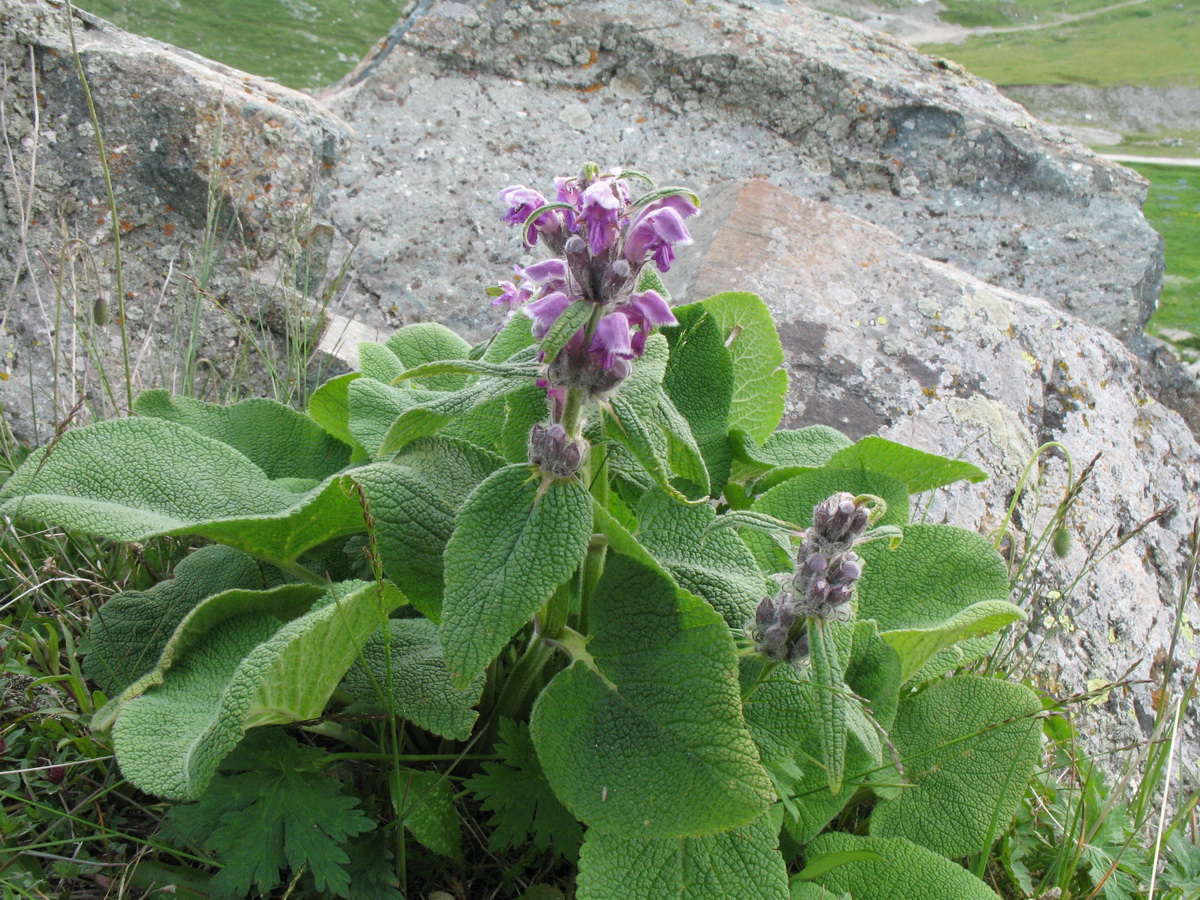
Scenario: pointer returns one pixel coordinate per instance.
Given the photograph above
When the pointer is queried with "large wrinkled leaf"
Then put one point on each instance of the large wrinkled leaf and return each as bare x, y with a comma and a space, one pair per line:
903, 871
920, 471
434, 411
760, 380
413, 500
785, 453
968, 745
715, 564
516, 540
329, 407
238, 670
418, 680
700, 382
137, 478
645, 738
739, 863
917, 646
937, 572
426, 342
279, 440
374, 406
127, 635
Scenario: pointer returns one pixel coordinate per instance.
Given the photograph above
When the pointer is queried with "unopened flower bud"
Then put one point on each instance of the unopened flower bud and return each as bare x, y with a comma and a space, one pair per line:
616, 278
551, 450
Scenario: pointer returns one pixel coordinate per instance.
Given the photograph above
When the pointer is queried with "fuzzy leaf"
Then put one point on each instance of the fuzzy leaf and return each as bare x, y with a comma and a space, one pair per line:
427, 342
831, 702
137, 478
712, 563
279, 440
571, 319
519, 798
512, 546
644, 440
700, 381
742, 862
960, 655
969, 746
646, 738
374, 406
760, 380
242, 670
421, 689
523, 408
920, 471
379, 362
434, 412
917, 646
937, 572
903, 871
127, 635
271, 810
329, 407
515, 336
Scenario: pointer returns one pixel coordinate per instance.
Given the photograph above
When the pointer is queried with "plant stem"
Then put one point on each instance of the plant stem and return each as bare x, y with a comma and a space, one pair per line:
514, 697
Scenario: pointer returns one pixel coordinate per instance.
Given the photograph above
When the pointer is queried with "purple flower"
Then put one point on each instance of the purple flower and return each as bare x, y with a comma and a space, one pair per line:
611, 340
513, 292
649, 310
599, 208
545, 312
681, 203
656, 234
522, 203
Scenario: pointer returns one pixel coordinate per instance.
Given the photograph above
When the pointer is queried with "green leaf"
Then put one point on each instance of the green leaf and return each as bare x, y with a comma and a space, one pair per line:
127, 635
468, 367
569, 321
370, 867
818, 866
742, 862
432, 413
273, 810
240, 671
425, 804
920, 471
760, 380
793, 501
138, 478
917, 646
329, 407
374, 406
786, 452
524, 407
831, 702
516, 540
904, 871
935, 573
420, 685
378, 361
700, 382
428, 342
960, 655
646, 738
523, 807
650, 280
968, 745
714, 564
645, 441
279, 440
683, 452
514, 337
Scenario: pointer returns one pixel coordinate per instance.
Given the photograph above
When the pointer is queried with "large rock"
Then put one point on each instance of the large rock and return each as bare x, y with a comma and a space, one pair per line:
220, 181
883, 341
463, 99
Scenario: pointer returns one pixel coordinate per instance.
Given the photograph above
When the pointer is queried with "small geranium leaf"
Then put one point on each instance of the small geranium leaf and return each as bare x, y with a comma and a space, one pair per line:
715, 564
127, 635
516, 540
426, 342
138, 478
900, 871
968, 745
935, 573
647, 739
279, 440
760, 379
699, 382
742, 862
238, 671
920, 471
917, 646
418, 680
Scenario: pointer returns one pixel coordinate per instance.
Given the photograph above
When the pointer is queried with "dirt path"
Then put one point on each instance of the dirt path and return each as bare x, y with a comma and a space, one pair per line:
921, 31
1152, 160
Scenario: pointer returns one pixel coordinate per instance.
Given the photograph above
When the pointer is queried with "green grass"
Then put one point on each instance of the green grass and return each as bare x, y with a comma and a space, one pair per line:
1003, 13
1173, 208
1152, 43
1152, 144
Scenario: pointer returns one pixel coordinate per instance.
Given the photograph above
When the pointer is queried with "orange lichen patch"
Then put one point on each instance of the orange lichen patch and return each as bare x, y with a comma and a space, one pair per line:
267, 188
592, 88
252, 198
273, 99
126, 225
862, 107
136, 95
4, 376
227, 162
168, 229
592, 57
102, 220
640, 119
864, 264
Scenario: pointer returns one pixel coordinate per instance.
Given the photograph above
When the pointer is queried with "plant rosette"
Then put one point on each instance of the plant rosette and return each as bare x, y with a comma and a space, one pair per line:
686, 643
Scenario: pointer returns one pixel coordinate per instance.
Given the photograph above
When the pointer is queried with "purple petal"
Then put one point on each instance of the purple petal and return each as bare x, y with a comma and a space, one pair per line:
612, 339
681, 203
599, 207
547, 270
656, 233
545, 312
652, 309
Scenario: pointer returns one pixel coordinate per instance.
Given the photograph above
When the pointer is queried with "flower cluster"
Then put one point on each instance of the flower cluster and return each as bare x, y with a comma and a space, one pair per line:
602, 239
820, 585
552, 450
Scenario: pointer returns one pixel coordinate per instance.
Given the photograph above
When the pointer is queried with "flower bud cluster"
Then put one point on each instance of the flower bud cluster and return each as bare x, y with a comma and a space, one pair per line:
554, 452
821, 583
602, 239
